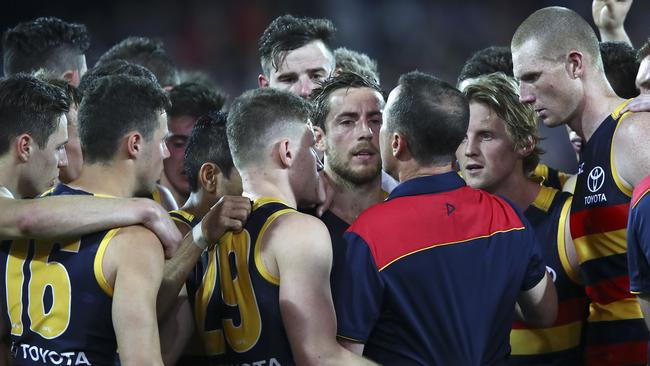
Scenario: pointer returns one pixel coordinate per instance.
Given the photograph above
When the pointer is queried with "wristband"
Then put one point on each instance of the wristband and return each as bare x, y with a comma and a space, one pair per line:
197, 237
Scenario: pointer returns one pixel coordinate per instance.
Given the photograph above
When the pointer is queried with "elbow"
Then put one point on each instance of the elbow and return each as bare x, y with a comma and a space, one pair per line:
27, 223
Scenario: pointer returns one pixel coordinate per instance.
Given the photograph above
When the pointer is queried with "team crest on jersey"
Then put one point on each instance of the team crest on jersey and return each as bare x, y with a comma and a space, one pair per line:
595, 181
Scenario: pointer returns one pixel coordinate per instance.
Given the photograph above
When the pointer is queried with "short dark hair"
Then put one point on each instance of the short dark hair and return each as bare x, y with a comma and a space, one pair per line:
621, 67
432, 115
72, 93
29, 105
487, 61
114, 105
146, 52
258, 116
320, 96
357, 62
208, 143
115, 67
644, 51
287, 33
195, 100
46, 42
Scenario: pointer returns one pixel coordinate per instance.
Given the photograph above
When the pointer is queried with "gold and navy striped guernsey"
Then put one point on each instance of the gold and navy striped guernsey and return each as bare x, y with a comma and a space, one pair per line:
616, 333
57, 300
561, 343
244, 296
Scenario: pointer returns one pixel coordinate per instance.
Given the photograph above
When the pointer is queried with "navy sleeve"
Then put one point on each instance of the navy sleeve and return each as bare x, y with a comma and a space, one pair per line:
357, 290
638, 246
536, 269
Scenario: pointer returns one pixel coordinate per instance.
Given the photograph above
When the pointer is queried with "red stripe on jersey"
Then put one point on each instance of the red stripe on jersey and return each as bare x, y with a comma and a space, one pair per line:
627, 353
640, 190
568, 311
599, 220
451, 217
608, 291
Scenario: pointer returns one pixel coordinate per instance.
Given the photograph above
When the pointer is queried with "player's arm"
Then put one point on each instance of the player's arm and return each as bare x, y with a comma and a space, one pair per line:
134, 259
72, 216
539, 304
176, 329
229, 214
631, 152
609, 16
638, 246
303, 253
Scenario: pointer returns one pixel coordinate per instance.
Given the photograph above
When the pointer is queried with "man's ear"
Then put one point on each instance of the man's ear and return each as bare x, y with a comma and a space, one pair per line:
134, 144
209, 175
24, 145
319, 136
526, 150
262, 82
575, 64
285, 153
71, 76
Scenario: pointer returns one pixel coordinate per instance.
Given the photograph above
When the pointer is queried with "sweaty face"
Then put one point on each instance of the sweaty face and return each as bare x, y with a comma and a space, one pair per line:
302, 69
151, 161
180, 129
547, 85
487, 156
352, 135
43, 166
72, 149
643, 76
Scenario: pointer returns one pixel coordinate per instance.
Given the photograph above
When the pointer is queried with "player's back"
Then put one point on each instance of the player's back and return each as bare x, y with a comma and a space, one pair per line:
253, 331
450, 263
58, 301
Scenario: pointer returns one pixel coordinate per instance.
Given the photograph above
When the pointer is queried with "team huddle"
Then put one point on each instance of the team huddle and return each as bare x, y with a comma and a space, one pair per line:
318, 219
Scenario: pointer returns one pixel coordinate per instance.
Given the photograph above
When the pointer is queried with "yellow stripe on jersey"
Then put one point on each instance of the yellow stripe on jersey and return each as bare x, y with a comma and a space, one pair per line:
618, 310
545, 340
561, 242
186, 215
259, 263
98, 265
600, 245
622, 186
544, 198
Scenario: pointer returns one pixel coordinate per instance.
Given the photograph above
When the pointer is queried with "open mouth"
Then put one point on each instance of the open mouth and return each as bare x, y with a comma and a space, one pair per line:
364, 154
473, 168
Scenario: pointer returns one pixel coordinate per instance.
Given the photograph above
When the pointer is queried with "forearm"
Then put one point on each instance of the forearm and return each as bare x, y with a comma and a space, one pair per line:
614, 35
67, 216
175, 273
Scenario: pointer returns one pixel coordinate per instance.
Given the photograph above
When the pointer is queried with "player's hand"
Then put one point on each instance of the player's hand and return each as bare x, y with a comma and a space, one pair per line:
638, 104
325, 193
158, 220
610, 14
229, 214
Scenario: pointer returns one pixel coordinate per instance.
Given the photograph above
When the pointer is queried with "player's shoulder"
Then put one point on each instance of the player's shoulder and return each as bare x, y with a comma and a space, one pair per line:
135, 240
295, 223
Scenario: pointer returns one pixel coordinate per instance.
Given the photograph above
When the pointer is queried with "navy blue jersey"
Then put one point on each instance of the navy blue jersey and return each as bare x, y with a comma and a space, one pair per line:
638, 239
57, 299
562, 342
616, 332
237, 286
431, 276
336, 227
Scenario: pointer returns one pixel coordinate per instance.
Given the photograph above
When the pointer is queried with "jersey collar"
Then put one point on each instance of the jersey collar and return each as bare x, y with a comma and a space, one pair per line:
428, 184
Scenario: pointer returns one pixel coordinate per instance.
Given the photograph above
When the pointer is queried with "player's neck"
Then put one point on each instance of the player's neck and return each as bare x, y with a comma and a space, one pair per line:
9, 175
519, 189
198, 204
598, 103
258, 184
104, 179
350, 200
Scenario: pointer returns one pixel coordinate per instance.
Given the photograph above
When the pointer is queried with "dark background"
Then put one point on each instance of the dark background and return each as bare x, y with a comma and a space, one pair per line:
220, 37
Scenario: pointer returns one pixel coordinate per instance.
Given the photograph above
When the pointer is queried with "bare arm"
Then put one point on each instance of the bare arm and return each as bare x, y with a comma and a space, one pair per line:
609, 16
176, 330
136, 256
229, 214
72, 216
538, 305
631, 153
304, 259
